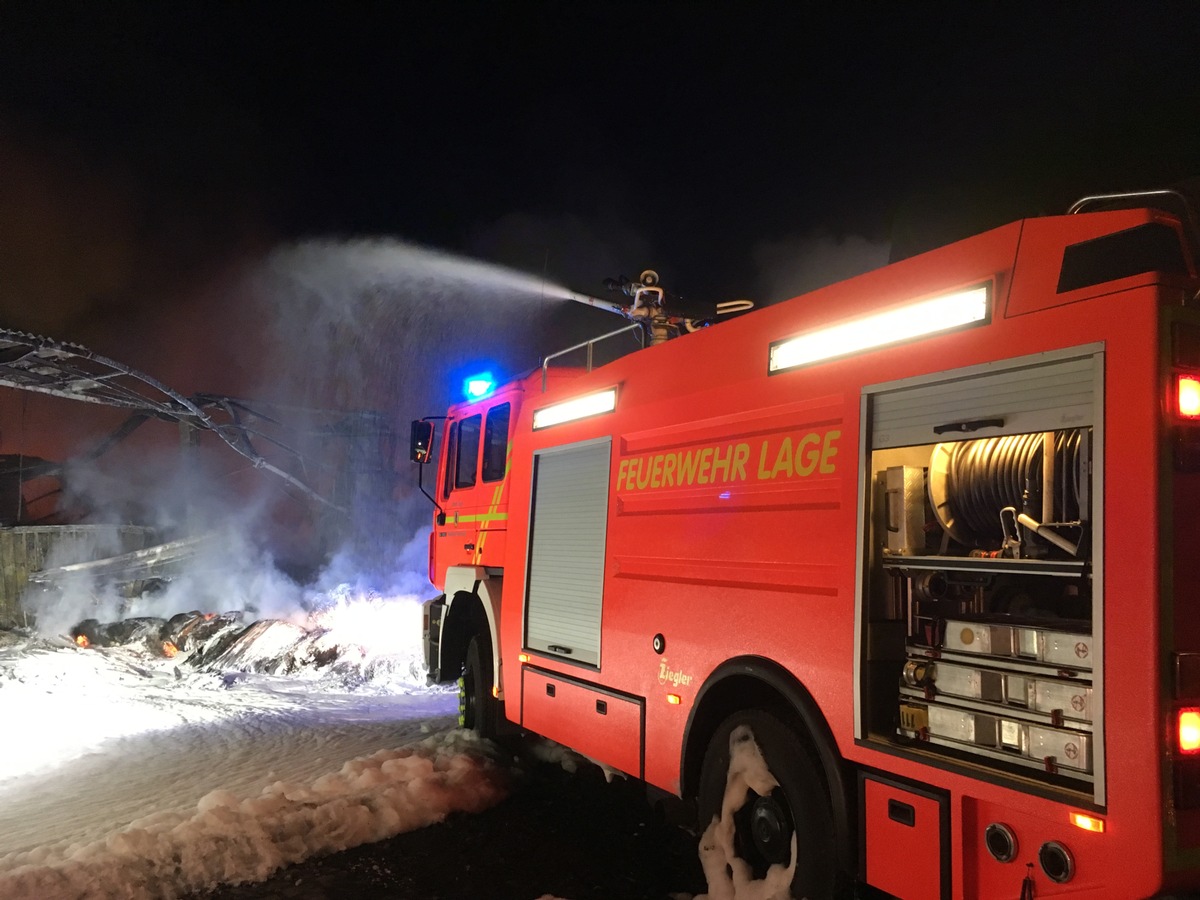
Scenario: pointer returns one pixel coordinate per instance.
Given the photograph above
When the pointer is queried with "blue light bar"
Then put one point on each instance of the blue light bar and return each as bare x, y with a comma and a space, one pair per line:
476, 387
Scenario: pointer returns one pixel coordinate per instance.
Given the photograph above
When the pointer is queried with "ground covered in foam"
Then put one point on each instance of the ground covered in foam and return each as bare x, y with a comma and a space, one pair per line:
262, 753
126, 775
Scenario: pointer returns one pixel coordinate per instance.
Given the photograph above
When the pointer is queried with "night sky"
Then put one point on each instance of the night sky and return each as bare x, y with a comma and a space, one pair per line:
737, 148
225, 195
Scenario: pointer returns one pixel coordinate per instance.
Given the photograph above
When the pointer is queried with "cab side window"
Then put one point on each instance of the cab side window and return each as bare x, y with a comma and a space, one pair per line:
451, 458
495, 442
467, 459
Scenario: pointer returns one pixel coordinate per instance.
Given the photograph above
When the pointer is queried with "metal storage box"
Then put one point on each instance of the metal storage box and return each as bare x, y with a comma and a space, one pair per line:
1040, 694
1058, 648
1030, 741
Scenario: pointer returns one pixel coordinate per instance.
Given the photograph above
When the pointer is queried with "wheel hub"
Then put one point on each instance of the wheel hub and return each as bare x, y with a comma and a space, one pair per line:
764, 831
771, 825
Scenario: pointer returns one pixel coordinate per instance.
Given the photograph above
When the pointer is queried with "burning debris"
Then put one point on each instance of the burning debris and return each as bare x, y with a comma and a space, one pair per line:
166, 637
224, 643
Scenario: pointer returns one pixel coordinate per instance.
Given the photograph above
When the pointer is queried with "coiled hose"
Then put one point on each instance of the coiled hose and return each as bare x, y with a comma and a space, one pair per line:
981, 477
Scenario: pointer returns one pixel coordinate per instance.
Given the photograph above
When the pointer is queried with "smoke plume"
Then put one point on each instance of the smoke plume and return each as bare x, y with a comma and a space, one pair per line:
338, 344
796, 264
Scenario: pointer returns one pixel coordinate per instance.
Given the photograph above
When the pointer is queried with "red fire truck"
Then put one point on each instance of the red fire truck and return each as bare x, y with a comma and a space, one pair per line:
896, 580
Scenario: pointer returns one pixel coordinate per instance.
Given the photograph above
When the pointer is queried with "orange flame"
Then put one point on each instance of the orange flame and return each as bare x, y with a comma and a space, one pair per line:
82, 641
169, 650
208, 617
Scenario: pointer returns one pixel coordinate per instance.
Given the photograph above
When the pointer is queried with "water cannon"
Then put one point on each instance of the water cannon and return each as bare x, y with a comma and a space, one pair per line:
646, 292
663, 314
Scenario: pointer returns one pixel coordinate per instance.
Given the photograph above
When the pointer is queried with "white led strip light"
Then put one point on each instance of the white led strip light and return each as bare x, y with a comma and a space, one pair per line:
895, 325
579, 408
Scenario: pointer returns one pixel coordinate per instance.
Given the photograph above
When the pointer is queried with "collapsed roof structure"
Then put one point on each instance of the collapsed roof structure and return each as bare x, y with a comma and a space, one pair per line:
73, 372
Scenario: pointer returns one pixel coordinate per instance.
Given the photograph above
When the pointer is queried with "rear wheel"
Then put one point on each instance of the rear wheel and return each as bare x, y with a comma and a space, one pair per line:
477, 708
766, 809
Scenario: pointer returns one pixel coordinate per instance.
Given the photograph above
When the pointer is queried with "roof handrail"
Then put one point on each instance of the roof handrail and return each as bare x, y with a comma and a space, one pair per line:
1191, 226
589, 345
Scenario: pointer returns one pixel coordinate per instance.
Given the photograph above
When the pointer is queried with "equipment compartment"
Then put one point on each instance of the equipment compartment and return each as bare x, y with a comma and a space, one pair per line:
978, 609
905, 837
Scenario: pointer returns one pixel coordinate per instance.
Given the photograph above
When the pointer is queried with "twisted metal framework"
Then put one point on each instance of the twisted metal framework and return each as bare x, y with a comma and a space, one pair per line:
32, 363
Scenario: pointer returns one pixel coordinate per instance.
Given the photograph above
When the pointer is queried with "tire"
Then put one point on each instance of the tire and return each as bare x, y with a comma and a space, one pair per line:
478, 710
764, 825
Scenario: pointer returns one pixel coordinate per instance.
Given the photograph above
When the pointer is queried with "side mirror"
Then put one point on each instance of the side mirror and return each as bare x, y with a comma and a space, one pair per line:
421, 443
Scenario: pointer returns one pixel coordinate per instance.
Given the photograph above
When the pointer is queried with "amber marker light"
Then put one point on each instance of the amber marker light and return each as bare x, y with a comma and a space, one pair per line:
1188, 391
523, 657
1189, 730
674, 699
1087, 823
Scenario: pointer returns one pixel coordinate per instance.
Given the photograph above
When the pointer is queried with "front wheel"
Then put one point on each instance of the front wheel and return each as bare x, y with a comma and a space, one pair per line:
478, 709
766, 811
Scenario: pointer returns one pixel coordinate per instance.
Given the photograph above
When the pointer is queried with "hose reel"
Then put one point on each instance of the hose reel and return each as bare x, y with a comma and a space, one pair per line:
972, 482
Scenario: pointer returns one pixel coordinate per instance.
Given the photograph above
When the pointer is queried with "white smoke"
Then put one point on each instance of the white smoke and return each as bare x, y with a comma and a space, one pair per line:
378, 328
796, 264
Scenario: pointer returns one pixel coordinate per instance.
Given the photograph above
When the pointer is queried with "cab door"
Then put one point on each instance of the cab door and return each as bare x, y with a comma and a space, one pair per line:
475, 509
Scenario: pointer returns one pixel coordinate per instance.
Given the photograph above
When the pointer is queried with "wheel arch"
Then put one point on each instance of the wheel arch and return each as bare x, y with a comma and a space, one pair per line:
755, 682
472, 608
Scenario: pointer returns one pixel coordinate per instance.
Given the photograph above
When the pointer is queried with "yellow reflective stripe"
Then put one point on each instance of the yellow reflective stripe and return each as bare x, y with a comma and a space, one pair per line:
484, 517
491, 515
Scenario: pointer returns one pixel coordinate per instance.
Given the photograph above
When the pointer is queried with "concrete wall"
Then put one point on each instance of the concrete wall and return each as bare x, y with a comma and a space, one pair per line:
32, 548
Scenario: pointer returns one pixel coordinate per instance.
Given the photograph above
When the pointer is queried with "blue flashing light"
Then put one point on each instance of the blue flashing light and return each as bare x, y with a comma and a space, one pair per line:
476, 387
725, 495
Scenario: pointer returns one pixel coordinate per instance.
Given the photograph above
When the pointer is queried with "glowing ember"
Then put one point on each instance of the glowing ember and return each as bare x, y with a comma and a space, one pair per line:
169, 650
208, 617
82, 641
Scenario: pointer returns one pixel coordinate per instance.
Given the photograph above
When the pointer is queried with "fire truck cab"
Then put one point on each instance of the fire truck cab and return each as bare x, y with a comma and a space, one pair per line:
893, 580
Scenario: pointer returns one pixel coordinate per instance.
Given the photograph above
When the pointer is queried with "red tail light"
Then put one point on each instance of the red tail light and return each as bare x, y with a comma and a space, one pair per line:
1187, 395
1188, 722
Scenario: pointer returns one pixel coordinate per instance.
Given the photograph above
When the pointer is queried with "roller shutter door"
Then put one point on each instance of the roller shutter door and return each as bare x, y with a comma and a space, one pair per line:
1039, 397
566, 553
